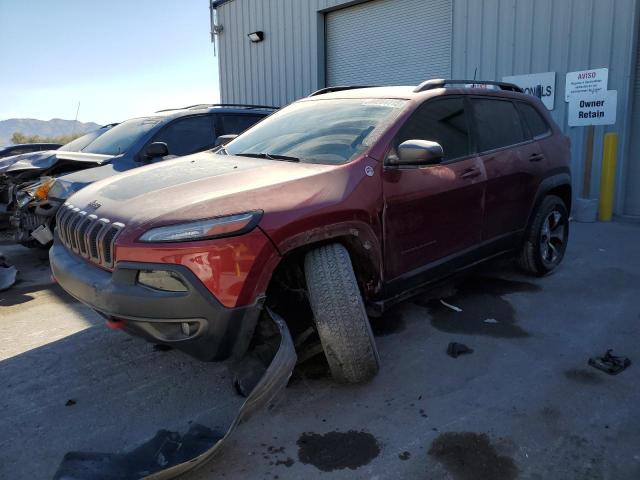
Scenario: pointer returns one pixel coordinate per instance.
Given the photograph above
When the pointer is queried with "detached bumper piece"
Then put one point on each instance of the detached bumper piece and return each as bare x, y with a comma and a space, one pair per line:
191, 320
169, 454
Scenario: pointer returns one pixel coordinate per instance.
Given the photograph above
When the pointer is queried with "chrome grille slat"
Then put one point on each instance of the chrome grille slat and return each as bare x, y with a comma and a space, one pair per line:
87, 235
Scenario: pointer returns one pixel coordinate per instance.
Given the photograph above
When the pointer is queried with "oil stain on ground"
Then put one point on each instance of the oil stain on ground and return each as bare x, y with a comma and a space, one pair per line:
470, 456
484, 311
337, 450
581, 375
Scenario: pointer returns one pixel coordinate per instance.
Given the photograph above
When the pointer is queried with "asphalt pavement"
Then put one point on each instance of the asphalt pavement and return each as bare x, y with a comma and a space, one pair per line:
524, 404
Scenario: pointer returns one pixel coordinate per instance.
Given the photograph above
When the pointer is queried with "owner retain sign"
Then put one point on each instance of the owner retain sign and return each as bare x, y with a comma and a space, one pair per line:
598, 109
586, 82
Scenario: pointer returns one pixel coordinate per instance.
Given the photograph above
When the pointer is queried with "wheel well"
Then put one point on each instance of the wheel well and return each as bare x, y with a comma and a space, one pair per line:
286, 292
564, 192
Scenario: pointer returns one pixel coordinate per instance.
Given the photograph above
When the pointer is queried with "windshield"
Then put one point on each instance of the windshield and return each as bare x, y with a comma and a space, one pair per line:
319, 131
121, 137
81, 142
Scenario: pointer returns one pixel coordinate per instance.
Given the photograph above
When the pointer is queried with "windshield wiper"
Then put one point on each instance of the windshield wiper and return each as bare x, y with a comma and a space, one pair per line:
269, 156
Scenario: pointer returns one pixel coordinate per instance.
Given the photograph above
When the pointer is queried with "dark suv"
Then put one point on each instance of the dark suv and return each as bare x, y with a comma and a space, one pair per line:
135, 142
352, 199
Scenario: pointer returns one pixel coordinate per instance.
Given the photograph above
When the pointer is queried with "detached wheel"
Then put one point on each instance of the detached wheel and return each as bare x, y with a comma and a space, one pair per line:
546, 238
339, 314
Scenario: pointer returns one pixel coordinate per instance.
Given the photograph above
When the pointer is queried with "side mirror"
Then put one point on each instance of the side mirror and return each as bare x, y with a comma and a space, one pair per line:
155, 150
224, 139
418, 152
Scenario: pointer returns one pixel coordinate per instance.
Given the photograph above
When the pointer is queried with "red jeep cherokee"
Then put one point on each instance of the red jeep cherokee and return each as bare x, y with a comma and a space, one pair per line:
357, 198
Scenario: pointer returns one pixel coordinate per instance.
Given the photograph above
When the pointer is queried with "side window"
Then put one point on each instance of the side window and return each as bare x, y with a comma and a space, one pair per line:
443, 121
236, 124
187, 135
497, 124
538, 126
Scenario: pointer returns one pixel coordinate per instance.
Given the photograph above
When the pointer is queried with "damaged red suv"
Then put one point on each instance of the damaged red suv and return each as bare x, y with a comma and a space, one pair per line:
350, 199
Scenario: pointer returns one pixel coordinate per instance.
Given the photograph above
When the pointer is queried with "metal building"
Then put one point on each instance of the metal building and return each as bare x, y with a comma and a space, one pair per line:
304, 45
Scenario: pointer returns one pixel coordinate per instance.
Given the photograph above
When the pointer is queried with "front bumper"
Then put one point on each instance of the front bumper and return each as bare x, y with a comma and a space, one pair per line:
213, 332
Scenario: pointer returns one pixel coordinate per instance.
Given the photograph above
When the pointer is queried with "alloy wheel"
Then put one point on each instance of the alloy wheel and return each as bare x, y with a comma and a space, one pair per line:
553, 238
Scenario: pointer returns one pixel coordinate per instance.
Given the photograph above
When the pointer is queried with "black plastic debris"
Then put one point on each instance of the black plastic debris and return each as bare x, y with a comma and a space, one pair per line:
70, 403
456, 349
8, 274
165, 449
609, 363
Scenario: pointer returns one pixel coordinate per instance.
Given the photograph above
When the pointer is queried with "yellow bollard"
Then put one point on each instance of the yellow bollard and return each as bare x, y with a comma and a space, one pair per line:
608, 177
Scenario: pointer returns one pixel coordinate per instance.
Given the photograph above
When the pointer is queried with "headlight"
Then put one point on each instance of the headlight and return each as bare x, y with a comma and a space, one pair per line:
61, 189
204, 229
42, 189
38, 191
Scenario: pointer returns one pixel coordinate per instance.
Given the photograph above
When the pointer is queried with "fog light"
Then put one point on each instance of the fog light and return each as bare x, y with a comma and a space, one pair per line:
162, 280
185, 328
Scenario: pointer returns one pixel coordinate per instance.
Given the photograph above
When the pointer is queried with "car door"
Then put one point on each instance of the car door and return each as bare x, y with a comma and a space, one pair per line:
509, 155
187, 135
432, 212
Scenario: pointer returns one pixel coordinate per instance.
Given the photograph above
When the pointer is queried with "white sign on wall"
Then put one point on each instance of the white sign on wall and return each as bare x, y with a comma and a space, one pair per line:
586, 82
598, 109
541, 85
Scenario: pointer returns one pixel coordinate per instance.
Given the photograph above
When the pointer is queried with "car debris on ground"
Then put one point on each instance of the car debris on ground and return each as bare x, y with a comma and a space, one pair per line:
170, 454
8, 274
452, 307
609, 363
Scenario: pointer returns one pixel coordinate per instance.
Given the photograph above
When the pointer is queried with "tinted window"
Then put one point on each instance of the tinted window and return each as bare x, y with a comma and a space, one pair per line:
443, 121
498, 124
536, 123
187, 135
228, 124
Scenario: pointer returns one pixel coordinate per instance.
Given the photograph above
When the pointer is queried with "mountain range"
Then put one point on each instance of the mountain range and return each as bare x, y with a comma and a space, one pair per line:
44, 128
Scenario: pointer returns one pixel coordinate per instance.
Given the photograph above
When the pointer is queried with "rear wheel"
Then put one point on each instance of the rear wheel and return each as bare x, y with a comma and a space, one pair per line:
546, 238
339, 315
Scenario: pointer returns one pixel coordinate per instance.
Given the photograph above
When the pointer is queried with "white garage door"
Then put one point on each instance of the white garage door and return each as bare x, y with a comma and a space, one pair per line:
389, 42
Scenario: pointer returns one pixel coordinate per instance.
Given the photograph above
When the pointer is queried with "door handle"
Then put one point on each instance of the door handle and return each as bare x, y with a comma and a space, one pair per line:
471, 173
536, 157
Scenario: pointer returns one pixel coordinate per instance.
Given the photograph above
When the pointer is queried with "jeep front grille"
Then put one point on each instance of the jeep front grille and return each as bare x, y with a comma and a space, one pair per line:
87, 235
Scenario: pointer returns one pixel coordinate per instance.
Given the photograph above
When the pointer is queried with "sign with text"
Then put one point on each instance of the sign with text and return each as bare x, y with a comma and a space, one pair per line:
586, 82
541, 85
598, 109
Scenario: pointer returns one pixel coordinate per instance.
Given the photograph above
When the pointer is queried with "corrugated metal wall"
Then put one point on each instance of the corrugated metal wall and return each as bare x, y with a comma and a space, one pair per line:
632, 174
498, 37
505, 37
287, 65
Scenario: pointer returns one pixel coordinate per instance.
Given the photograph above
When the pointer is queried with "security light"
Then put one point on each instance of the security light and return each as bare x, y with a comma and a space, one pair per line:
256, 37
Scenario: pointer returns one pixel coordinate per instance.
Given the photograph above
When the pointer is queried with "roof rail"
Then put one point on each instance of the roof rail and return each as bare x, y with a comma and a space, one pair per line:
441, 83
338, 88
207, 105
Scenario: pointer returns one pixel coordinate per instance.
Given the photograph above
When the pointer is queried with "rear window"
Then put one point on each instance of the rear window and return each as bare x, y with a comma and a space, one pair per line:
497, 123
236, 124
538, 126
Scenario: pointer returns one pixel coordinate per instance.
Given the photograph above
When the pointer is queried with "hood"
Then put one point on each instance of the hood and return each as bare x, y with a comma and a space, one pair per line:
67, 185
206, 185
44, 160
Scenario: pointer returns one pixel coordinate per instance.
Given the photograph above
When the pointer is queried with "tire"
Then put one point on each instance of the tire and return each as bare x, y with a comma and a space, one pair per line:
546, 238
339, 315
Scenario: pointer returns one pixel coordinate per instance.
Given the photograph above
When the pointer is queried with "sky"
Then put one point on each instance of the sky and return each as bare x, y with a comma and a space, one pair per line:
118, 58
